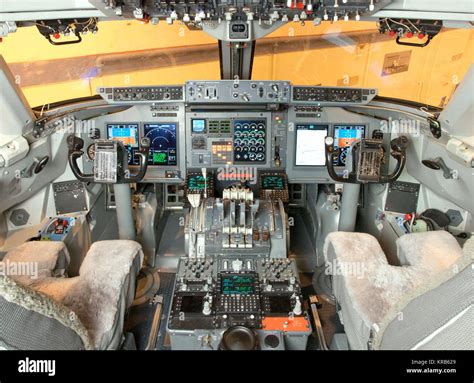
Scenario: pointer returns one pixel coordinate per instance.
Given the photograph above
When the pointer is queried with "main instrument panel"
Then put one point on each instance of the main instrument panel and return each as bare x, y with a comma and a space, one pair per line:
236, 146
240, 124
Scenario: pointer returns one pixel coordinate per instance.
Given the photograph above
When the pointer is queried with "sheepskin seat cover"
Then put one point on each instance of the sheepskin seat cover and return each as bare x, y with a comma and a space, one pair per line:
33, 303
371, 292
51, 258
102, 292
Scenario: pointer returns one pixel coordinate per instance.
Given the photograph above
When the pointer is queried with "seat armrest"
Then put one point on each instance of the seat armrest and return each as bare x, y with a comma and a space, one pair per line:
36, 260
345, 247
111, 257
432, 251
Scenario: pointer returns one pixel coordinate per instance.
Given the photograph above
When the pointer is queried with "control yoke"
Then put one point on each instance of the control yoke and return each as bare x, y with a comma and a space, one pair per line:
110, 161
364, 163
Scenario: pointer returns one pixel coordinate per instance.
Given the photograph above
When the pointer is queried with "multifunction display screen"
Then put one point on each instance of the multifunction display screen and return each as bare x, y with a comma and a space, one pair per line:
163, 150
238, 284
310, 148
344, 136
127, 134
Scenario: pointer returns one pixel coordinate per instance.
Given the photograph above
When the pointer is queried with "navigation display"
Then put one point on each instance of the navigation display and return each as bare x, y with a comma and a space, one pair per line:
238, 284
128, 135
163, 150
344, 136
310, 149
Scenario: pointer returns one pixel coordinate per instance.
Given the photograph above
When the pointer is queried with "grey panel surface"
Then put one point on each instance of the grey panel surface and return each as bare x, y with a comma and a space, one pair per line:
148, 114
402, 197
318, 116
69, 197
238, 91
203, 157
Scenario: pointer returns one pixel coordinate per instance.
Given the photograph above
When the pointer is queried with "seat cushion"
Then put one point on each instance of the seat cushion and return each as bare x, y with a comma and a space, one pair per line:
105, 289
100, 296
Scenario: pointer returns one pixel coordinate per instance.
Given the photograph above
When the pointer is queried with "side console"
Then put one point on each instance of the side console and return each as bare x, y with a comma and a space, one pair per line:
237, 303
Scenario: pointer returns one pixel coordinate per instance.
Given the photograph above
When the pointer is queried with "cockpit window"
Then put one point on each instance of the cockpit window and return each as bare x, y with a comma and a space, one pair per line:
122, 53
131, 53
355, 54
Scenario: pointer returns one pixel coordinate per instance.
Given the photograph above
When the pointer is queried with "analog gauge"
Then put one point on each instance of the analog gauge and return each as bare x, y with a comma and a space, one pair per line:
91, 151
252, 156
260, 156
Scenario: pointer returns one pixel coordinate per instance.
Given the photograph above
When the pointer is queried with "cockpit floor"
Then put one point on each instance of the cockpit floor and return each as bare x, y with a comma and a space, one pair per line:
140, 320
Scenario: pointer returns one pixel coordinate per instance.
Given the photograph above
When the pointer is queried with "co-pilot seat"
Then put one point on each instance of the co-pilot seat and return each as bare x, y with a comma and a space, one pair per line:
426, 303
48, 311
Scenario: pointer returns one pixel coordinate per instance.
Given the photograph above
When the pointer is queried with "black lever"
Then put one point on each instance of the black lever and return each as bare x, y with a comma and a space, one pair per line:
421, 45
437, 164
331, 155
59, 43
143, 161
398, 146
75, 145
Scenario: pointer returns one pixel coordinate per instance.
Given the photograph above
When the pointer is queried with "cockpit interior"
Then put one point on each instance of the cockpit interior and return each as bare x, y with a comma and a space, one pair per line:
236, 175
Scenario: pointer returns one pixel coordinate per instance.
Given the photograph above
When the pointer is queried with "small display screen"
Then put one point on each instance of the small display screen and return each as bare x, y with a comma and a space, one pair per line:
163, 149
238, 284
344, 136
273, 182
128, 135
310, 148
198, 126
196, 182
280, 304
192, 303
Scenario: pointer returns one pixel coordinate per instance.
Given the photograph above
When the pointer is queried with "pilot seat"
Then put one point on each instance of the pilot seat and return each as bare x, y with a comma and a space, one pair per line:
48, 311
425, 303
